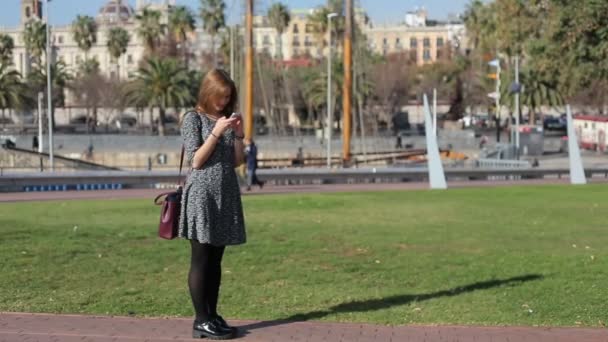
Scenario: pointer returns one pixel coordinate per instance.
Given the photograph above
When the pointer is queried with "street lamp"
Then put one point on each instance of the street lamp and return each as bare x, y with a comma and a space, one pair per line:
329, 112
48, 85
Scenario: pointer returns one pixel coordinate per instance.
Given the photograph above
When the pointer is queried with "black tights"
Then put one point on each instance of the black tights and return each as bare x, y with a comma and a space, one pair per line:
204, 279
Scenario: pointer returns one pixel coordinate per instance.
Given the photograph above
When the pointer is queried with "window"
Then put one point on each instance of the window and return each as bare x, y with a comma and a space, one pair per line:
414, 56
296, 41
28, 12
266, 40
384, 41
439, 42
413, 43
439, 53
307, 41
129, 59
310, 28
426, 55
60, 39
397, 41
295, 28
426, 42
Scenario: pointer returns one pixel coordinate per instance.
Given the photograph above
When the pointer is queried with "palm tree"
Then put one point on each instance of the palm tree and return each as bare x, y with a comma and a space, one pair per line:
318, 20
537, 91
118, 40
12, 90
279, 18
315, 85
212, 14
34, 37
181, 23
6, 49
161, 83
473, 21
84, 32
150, 29
60, 79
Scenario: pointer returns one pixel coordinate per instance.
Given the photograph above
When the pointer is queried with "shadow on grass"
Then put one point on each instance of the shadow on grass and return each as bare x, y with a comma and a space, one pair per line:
388, 302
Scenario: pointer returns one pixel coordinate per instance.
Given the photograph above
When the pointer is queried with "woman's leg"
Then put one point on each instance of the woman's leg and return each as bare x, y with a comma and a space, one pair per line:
215, 278
198, 280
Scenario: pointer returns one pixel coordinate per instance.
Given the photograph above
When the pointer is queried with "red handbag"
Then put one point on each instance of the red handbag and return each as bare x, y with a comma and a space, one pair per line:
170, 210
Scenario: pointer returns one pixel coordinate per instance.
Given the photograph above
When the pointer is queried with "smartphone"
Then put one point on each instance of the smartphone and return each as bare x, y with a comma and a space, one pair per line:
234, 115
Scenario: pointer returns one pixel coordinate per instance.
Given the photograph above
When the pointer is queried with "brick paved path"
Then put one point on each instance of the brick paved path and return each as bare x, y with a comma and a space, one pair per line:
17, 327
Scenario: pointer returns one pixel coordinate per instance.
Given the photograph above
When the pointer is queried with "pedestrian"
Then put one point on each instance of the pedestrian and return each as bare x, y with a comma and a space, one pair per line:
252, 165
211, 213
483, 141
399, 143
35, 144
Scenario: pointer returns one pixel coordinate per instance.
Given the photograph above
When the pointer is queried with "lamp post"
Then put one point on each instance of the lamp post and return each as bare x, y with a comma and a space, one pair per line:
48, 85
329, 109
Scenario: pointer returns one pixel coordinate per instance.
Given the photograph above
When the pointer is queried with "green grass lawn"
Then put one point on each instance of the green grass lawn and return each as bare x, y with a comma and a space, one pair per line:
506, 256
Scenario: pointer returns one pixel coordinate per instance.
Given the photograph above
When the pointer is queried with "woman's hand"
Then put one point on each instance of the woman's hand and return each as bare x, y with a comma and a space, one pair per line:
222, 124
237, 125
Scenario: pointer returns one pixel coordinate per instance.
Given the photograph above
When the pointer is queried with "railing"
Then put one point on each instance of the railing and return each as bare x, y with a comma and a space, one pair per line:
18, 181
501, 164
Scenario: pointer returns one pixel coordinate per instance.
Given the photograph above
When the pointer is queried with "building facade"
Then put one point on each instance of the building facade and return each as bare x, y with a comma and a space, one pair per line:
115, 13
424, 43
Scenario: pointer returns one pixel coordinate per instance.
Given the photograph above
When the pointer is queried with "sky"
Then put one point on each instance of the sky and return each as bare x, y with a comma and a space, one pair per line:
63, 12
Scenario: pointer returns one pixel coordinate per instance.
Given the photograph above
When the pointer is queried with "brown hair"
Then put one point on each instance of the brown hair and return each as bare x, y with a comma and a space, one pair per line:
216, 83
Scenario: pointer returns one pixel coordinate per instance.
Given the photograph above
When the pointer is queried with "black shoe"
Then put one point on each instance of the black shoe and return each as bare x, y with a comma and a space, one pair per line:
211, 330
222, 324
261, 185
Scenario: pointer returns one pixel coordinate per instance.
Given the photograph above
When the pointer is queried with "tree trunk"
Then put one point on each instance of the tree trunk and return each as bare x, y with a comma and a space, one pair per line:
161, 121
213, 51
185, 53
151, 120
93, 127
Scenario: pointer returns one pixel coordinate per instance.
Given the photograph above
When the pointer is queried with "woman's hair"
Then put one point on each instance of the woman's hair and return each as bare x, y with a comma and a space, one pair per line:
215, 84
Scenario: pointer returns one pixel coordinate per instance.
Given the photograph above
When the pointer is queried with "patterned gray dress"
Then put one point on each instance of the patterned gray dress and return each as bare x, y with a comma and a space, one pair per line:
211, 209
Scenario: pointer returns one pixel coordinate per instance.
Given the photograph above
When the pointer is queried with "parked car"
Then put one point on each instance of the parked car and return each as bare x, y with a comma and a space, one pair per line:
124, 121
79, 119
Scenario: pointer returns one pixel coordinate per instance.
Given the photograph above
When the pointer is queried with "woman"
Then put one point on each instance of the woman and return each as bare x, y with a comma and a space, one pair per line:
211, 214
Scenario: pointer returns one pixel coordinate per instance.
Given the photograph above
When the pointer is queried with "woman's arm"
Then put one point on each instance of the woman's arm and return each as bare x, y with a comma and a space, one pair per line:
204, 152
239, 152
239, 147
197, 150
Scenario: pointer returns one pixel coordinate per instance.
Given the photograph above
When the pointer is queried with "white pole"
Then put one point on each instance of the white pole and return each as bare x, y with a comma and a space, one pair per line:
329, 112
231, 53
498, 70
435, 111
40, 142
517, 107
48, 85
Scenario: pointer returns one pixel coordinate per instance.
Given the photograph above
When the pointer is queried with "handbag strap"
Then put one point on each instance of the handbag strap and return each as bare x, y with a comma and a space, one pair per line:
181, 164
